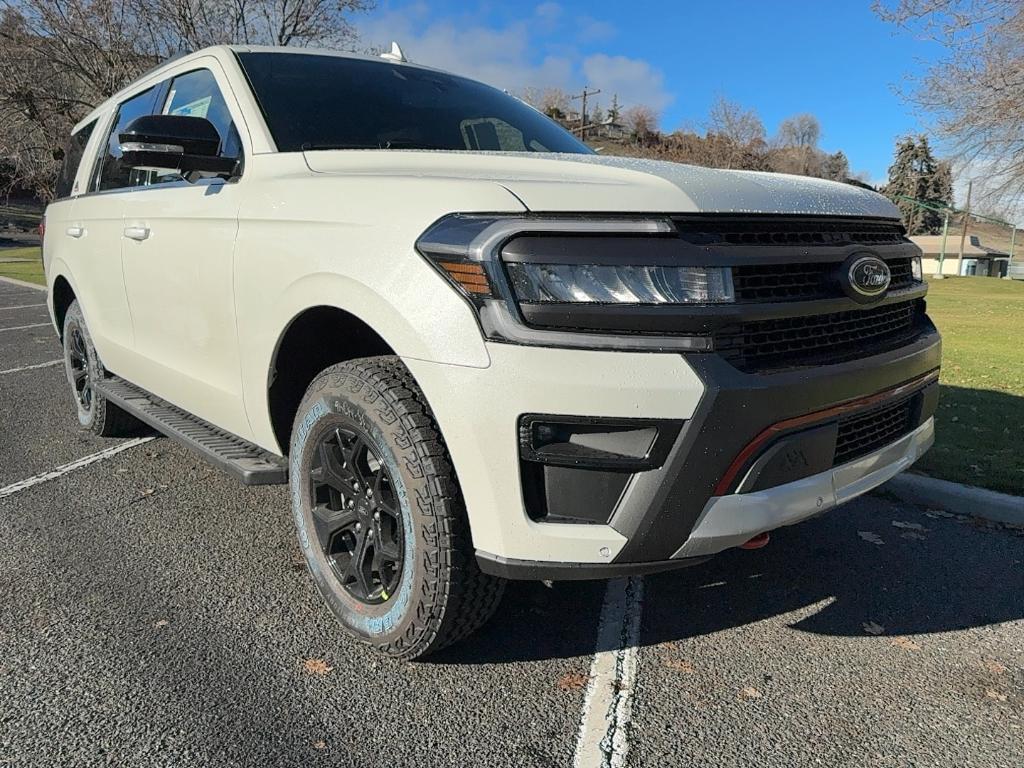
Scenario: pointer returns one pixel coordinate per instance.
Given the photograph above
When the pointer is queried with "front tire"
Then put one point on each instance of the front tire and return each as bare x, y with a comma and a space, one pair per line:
379, 513
84, 369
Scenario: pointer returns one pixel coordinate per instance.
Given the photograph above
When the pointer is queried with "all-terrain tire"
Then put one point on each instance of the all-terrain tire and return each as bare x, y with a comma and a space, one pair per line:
83, 368
442, 596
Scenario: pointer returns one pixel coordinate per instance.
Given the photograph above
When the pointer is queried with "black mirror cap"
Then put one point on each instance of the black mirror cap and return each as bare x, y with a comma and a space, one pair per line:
195, 135
175, 142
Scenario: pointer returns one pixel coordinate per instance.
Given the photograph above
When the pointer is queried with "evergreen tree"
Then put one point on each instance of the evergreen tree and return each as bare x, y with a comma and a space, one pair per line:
835, 167
614, 110
915, 173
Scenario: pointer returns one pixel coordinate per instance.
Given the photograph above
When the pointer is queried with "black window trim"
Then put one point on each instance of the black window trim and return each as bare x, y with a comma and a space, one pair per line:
159, 102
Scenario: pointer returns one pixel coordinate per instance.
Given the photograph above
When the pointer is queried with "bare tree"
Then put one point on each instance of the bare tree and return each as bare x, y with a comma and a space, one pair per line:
976, 92
802, 130
58, 58
797, 145
553, 102
641, 120
729, 119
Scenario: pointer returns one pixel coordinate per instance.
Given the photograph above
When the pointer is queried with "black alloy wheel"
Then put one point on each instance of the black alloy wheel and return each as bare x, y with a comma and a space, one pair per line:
357, 516
78, 356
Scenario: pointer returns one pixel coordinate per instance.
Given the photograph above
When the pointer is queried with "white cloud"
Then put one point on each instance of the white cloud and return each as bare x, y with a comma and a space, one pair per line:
634, 80
537, 52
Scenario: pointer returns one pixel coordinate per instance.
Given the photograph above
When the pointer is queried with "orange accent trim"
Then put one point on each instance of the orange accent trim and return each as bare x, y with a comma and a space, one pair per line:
837, 410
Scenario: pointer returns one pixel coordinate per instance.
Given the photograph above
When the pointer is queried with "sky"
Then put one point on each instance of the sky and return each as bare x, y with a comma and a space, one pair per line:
832, 58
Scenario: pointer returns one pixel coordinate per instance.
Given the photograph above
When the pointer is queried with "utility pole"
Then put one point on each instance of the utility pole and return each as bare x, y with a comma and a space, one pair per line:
963, 228
583, 109
942, 251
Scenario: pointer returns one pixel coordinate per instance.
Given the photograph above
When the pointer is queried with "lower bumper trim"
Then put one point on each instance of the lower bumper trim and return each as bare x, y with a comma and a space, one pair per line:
538, 570
728, 521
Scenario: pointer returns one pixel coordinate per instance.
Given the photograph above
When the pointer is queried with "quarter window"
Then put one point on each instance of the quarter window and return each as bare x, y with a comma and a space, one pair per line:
72, 159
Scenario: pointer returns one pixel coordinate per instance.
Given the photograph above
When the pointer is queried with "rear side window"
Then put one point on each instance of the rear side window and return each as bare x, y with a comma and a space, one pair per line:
111, 173
72, 159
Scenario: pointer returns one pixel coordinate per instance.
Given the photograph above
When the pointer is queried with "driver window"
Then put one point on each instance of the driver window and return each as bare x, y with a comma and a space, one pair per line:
195, 94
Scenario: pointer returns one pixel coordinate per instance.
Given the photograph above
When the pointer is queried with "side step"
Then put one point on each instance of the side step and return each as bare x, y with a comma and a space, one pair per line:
247, 462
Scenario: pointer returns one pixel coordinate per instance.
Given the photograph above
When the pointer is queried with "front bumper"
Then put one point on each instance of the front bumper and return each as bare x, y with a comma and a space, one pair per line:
667, 516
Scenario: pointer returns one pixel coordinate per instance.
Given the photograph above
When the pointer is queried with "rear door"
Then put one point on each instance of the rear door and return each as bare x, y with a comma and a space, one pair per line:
93, 232
178, 263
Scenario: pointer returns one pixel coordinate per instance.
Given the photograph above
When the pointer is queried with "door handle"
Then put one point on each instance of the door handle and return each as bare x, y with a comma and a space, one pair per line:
136, 233
75, 231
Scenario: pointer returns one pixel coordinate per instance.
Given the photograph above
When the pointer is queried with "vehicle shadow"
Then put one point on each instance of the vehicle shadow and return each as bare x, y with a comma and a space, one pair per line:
948, 575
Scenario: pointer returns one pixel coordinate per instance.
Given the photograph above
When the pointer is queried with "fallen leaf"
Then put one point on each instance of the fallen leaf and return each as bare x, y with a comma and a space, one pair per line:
913, 536
871, 537
908, 526
321, 745
750, 693
572, 681
906, 644
873, 628
995, 667
161, 623
317, 667
680, 665
996, 695
933, 513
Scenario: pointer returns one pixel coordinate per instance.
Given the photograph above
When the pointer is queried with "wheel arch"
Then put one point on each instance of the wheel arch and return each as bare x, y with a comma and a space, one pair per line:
62, 296
314, 339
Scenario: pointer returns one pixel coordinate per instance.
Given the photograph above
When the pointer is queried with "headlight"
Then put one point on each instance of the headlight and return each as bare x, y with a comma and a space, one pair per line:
915, 268
608, 284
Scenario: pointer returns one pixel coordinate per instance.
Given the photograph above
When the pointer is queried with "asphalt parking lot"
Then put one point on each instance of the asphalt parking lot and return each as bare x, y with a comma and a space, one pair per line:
154, 612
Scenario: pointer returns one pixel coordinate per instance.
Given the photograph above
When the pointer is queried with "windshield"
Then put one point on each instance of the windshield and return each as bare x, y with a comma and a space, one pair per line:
331, 102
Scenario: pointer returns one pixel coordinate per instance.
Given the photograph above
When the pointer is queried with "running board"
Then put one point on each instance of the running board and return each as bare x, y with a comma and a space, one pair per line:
247, 462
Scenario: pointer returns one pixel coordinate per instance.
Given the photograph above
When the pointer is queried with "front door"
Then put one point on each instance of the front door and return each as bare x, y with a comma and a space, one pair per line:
178, 261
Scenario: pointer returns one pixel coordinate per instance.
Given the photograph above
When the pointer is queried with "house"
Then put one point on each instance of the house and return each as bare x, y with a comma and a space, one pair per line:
979, 260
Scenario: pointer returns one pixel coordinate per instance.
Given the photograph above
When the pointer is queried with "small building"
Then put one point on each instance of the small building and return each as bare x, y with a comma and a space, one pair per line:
979, 260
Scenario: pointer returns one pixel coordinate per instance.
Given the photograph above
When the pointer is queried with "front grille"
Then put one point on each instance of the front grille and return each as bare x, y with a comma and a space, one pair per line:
753, 230
802, 282
818, 339
865, 432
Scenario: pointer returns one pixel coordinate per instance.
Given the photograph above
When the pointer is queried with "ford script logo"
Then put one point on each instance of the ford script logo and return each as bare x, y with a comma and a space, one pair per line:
866, 277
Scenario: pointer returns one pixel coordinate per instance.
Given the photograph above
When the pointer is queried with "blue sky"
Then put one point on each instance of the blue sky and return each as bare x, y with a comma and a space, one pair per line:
833, 58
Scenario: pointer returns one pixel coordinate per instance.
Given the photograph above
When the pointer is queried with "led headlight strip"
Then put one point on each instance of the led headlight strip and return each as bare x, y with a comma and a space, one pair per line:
466, 250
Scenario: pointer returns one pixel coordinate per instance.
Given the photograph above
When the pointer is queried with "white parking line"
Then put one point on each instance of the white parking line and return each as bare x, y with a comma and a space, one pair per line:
22, 283
32, 367
603, 740
85, 461
23, 306
23, 327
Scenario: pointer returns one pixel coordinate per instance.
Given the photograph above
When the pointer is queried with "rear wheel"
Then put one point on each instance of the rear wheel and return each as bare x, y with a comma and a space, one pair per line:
379, 514
84, 370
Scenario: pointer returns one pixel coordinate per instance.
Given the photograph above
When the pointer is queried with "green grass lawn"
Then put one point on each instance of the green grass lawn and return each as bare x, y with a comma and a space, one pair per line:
30, 271
980, 421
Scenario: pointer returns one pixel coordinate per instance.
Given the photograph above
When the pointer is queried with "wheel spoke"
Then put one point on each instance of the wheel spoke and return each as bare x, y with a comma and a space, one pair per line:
332, 472
330, 522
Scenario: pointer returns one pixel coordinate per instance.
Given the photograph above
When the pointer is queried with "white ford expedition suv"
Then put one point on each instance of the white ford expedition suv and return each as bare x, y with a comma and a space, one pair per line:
473, 348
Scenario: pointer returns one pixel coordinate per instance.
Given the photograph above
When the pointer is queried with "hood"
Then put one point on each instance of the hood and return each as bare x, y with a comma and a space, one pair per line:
549, 182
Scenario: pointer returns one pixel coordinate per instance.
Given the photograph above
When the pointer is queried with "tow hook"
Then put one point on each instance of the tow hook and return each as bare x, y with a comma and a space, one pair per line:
761, 540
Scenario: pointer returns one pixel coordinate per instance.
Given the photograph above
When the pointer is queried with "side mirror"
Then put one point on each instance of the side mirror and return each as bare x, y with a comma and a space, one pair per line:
173, 142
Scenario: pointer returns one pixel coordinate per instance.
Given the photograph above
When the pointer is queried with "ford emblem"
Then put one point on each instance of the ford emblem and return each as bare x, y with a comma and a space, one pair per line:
865, 278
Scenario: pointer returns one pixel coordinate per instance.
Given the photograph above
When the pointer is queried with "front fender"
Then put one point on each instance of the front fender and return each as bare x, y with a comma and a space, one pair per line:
437, 326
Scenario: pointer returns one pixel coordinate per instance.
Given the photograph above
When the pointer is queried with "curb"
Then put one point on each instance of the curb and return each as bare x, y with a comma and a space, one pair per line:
956, 498
22, 283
